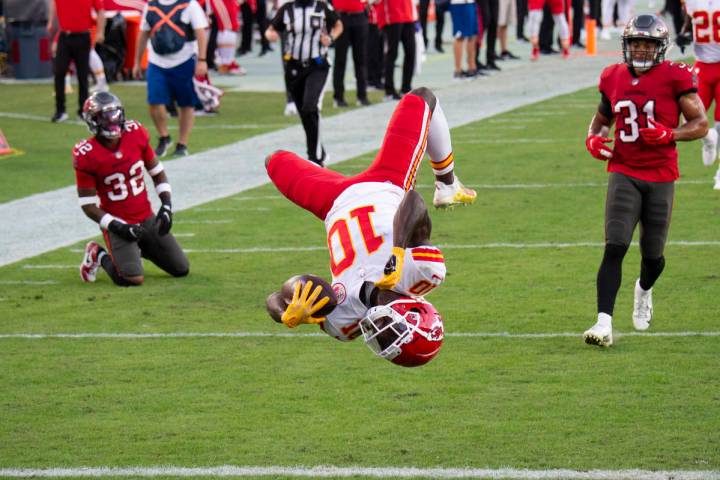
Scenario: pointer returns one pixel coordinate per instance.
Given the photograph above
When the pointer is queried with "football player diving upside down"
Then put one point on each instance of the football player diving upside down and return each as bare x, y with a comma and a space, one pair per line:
378, 234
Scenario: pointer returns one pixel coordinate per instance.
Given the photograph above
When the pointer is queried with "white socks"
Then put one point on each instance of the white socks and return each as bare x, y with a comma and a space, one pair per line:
439, 145
604, 319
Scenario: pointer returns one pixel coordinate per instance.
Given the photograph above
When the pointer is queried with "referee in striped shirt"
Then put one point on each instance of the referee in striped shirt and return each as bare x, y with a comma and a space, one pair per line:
311, 27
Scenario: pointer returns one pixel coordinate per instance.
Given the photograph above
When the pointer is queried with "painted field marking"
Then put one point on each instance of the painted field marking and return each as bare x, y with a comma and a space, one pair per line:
38, 118
29, 282
231, 209
259, 197
504, 335
210, 222
375, 472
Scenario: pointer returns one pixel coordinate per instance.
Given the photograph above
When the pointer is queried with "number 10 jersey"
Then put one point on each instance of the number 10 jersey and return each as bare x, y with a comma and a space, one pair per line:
360, 240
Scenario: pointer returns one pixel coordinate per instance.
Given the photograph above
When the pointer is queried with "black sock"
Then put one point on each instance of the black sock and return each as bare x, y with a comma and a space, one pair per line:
650, 270
109, 267
609, 277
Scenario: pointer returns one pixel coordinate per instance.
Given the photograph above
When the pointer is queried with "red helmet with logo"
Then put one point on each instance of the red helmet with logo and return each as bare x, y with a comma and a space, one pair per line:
408, 332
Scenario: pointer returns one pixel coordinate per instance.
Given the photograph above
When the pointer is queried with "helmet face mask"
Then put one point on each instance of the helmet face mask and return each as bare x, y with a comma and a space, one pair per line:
104, 114
642, 32
408, 332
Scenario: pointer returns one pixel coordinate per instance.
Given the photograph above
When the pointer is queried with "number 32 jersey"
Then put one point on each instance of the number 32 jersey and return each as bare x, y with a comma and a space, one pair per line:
360, 239
117, 175
634, 99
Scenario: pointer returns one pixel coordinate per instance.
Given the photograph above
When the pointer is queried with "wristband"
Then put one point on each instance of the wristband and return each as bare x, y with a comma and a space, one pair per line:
163, 187
106, 220
156, 169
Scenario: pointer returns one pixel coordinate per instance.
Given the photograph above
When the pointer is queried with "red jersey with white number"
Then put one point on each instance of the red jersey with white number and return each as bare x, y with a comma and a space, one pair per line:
117, 175
634, 99
705, 15
360, 239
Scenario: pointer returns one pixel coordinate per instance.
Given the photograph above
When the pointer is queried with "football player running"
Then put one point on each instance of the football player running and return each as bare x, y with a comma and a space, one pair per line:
701, 28
109, 172
378, 234
644, 97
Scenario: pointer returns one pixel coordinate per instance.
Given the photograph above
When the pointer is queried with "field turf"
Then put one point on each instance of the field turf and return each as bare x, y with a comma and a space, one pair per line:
536, 402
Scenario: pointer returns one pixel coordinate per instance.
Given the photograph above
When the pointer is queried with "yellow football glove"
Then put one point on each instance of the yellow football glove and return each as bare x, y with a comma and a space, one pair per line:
393, 269
303, 305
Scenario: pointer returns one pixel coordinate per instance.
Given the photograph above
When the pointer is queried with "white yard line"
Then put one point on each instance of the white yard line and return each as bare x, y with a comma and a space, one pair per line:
374, 472
507, 335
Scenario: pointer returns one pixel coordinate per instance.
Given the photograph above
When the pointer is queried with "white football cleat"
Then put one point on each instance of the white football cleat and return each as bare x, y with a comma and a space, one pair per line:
642, 307
90, 263
717, 180
290, 109
599, 334
605, 34
710, 147
454, 194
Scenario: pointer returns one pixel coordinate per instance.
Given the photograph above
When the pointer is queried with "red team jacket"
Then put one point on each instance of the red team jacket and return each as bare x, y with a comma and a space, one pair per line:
118, 176
395, 11
633, 99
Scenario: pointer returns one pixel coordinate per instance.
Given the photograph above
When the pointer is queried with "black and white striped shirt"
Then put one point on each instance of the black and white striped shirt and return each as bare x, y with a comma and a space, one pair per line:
304, 20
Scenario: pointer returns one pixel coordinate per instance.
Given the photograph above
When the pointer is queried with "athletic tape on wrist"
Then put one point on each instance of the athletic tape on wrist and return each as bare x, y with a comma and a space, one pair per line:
156, 169
105, 221
94, 200
163, 187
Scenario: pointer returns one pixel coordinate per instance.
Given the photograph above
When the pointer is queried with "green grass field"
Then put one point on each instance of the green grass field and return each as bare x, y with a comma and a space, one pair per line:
649, 402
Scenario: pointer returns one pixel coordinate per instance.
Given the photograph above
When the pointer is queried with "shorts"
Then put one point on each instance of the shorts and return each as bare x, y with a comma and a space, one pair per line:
163, 251
709, 85
167, 84
464, 19
315, 189
557, 7
506, 13
631, 200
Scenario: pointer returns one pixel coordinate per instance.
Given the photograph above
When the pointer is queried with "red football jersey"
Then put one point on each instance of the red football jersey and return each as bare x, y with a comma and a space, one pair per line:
633, 99
117, 175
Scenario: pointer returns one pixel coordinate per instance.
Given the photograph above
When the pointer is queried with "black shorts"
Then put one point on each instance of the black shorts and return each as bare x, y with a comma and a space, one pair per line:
163, 251
631, 200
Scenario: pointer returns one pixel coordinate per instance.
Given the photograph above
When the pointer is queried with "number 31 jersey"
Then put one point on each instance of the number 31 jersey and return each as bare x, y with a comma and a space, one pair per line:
360, 239
117, 175
634, 99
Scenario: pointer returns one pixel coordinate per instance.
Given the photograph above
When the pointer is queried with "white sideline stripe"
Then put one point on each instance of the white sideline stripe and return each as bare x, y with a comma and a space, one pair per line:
235, 126
24, 116
183, 235
48, 267
491, 186
681, 243
35, 336
505, 141
29, 282
260, 197
375, 472
190, 222
232, 209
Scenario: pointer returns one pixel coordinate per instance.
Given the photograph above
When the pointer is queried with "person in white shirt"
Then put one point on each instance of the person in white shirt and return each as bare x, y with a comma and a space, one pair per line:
177, 53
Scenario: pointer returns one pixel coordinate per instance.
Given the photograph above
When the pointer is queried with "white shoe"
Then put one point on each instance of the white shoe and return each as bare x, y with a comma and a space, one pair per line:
717, 180
454, 194
642, 307
599, 334
290, 109
710, 147
90, 262
605, 34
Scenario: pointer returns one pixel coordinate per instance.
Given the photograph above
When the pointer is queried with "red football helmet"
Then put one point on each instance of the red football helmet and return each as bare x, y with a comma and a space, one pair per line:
408, 332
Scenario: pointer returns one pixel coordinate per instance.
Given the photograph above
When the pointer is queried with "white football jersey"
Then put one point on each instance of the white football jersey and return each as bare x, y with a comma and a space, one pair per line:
706, 31
360, 239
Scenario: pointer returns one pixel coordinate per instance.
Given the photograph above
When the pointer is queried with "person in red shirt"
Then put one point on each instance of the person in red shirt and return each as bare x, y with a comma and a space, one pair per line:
74, 21
398, 20
644, 97
111, 166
